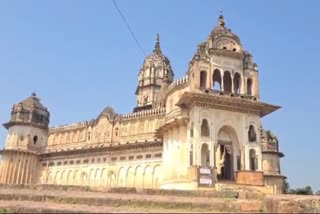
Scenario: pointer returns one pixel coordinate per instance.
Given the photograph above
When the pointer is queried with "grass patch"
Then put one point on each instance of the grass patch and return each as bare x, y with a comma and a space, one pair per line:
3, 210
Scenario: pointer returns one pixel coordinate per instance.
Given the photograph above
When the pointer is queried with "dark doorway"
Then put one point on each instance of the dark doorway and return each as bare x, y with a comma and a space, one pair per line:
226, 158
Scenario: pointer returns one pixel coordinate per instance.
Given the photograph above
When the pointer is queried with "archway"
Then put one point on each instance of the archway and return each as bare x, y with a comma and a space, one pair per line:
216, 79
111, 179
130, 177
236, 83
253, 160
69, 179
249, 86
227, 154
205, 156
84, 178
122, 177
103, 179
76, 178
147, 178
203, 80
156, 177
138, 178
227, 81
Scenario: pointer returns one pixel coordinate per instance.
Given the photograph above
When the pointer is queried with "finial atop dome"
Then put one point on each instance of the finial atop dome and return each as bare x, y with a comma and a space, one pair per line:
157, 48
34, 94
221, 22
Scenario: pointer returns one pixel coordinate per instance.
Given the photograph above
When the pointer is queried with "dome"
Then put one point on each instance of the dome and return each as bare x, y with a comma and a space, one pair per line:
223, 38
29, 111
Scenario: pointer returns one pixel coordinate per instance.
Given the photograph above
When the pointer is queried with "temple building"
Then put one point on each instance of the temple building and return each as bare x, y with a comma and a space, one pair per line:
201, 131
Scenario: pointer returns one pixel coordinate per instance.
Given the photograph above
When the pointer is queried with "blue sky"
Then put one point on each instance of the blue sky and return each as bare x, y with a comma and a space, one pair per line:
79, 57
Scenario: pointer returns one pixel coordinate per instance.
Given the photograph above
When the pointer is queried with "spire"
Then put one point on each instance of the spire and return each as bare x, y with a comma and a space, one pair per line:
157, 48
221, 22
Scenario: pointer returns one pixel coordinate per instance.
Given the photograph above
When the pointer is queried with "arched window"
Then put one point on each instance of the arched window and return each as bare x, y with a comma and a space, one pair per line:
236, 83
205, 128
227, 82
252, 136
35, 139
249, 86
205, 156
253, 160
203, 80
216, 79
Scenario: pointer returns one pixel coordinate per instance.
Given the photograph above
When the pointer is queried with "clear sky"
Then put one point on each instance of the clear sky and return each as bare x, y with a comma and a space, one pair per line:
79, 57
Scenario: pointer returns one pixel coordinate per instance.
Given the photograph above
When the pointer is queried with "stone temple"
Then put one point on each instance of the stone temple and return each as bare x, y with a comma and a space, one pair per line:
202, 131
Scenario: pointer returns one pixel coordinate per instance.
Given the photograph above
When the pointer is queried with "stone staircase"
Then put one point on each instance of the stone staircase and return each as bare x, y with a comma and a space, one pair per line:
64, 199
73, 199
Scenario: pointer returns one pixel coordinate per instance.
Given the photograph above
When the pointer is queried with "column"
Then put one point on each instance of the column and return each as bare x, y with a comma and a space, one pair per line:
222, 83
232, 83
10, 168
26, 180
243, 159
243, 85
23, 166
15, 165
19, 169
4, 168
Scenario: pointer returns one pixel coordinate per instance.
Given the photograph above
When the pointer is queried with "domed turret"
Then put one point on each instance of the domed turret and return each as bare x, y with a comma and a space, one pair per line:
28, 126
156, 70
29, 111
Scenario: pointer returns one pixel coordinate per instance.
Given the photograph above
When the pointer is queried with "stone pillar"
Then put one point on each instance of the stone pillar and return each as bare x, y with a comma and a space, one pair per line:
174, 152
15, 166
10, 168
222, 83
242, 166
243, 89
23, 167
4, 169
232, 83
17, 180
26, 181
31, 164
170, 153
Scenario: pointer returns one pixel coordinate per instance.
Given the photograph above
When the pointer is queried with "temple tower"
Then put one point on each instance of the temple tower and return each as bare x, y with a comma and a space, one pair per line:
155, 71
27, 137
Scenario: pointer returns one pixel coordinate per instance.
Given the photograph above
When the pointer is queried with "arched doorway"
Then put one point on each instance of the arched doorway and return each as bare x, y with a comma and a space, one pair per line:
227, 154
205, 156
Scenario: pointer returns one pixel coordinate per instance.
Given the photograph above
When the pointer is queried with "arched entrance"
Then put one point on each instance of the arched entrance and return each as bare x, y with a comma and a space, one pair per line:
227, 154
205, 156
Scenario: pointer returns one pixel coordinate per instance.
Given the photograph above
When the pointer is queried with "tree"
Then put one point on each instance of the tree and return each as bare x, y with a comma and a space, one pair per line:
318, 193
302, 191
286, 187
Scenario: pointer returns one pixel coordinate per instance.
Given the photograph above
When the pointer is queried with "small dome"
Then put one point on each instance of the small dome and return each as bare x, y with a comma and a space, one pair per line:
223, 35
33, 101
29, 111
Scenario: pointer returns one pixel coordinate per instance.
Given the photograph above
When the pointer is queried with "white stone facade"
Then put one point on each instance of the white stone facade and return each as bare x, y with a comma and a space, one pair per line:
208, 120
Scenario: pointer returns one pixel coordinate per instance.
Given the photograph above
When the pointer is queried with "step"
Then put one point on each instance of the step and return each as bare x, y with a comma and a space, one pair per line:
133, 200
185, 193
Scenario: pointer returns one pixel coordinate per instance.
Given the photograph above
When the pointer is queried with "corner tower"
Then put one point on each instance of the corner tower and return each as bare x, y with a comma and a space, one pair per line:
155, 71
27, 137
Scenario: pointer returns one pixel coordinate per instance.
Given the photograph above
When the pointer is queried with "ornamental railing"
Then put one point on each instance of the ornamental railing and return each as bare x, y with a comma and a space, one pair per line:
273, 147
